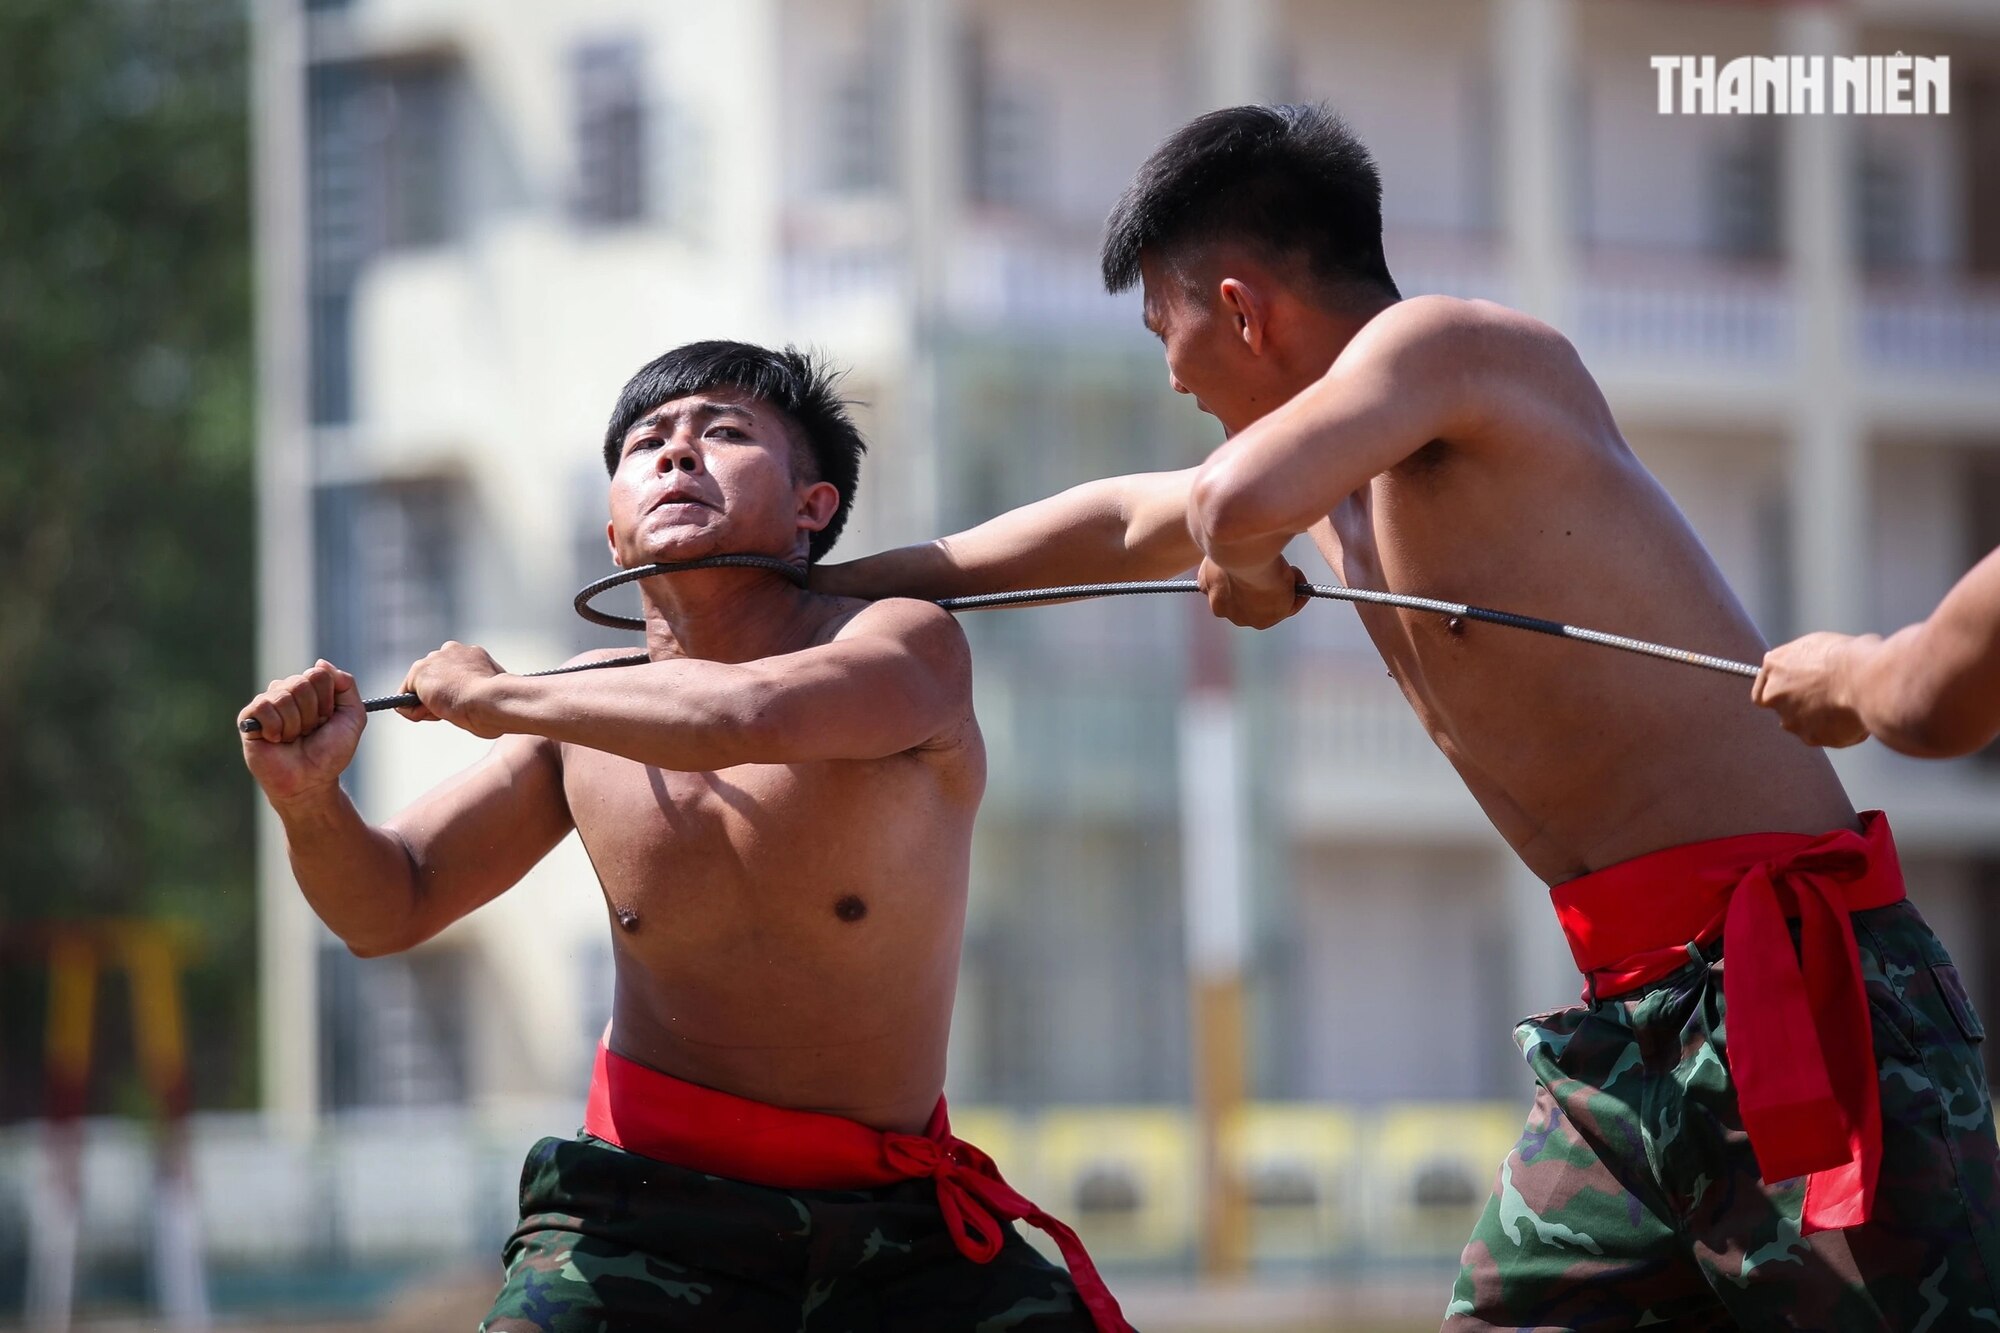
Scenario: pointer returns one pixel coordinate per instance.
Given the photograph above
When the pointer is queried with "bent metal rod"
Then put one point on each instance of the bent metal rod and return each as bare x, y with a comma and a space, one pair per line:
1070, 592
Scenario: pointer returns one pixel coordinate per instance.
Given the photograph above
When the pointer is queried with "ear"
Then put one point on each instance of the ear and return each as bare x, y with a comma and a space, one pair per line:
611, 541
817, 504
1249, 312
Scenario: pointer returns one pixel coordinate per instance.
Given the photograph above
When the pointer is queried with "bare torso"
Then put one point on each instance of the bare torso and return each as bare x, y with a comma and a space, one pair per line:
1582, 757
788, 933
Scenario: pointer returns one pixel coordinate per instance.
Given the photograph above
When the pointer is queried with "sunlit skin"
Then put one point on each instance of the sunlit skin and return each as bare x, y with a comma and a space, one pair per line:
1443, 448
779, 807
1931, 689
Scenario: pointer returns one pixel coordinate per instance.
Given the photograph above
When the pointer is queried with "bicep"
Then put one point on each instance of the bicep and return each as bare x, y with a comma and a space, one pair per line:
1964, 636
473, 837
1404, 381
1155, 510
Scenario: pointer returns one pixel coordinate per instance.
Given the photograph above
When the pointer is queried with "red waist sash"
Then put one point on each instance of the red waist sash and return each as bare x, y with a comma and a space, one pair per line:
1799, 1044
662, 1117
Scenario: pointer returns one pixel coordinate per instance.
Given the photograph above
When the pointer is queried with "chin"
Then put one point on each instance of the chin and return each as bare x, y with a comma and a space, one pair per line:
667, 548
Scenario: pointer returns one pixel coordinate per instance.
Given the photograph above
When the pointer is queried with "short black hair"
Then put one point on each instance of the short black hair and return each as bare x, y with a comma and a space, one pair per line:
1291, 181
799, 384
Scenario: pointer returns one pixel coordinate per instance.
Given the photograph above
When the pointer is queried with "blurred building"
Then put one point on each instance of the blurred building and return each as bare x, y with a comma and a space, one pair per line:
477, 219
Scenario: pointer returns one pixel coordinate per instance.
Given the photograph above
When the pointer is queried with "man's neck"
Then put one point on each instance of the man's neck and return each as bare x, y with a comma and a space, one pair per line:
1326, 331
723, 615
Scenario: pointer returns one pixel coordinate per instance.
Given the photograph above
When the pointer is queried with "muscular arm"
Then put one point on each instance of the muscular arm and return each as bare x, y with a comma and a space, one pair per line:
1119, 528
897, 677
1931, 689
1421, 370
385, 889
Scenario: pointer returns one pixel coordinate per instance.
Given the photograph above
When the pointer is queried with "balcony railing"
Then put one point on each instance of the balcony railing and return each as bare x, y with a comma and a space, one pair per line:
1932, 328
1683, 310
1687, 311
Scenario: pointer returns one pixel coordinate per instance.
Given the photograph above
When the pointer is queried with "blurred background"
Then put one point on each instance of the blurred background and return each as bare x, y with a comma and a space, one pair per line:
311, 312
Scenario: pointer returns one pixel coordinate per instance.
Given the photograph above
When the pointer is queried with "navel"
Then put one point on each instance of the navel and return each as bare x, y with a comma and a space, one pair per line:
850, 908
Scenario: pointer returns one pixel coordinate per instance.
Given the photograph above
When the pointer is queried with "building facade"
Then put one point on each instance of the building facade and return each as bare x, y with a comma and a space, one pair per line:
476, 219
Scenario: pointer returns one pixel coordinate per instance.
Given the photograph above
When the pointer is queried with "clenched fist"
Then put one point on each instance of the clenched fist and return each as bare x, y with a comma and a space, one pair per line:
1805, 683
447, 683
1254, 602
307, 728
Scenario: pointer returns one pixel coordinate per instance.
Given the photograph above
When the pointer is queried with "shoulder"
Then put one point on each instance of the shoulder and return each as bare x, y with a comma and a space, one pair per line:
591, 655
1450, 329
924, 630
908, 620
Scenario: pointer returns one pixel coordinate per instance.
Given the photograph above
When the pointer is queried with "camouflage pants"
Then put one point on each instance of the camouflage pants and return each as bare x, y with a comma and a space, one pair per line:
612, 1242
1633, 1199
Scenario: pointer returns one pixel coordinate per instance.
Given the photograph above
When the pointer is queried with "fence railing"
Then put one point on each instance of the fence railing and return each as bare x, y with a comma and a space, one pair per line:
296, 1224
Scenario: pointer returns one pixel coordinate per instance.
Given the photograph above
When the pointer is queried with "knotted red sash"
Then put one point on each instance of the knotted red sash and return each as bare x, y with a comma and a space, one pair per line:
1799, 1044
656, 1115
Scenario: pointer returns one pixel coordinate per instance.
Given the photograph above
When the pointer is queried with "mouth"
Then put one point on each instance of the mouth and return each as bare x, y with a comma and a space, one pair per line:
678, 502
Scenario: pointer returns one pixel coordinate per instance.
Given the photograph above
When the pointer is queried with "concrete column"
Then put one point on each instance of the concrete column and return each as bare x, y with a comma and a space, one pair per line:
748, 156
932, 137
1237, 45
287, 933
1215, 819
1533, 47
1542, 975
1828, 464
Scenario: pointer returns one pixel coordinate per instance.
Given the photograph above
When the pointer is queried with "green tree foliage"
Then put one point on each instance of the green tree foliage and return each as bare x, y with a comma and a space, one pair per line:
126, 568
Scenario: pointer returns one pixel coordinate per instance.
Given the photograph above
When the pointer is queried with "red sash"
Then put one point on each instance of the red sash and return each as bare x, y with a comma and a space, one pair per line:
662, 1117
1799, 1044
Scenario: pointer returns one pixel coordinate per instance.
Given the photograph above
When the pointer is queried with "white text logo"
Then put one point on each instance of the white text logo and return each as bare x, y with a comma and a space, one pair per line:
1896, 85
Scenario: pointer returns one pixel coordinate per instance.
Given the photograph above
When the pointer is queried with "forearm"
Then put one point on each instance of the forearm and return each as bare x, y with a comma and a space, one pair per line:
691, 716
1921, 691
360, 880
1115, 529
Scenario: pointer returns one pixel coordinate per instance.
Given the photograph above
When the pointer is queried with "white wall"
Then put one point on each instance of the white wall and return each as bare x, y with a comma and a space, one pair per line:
1647, 175
1413, 81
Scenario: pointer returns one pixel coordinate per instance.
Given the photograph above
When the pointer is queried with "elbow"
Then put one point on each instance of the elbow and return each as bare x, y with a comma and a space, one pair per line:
1222, 509
375, 945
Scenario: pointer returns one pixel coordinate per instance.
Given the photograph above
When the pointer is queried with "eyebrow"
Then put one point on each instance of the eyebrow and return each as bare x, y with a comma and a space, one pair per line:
699, 409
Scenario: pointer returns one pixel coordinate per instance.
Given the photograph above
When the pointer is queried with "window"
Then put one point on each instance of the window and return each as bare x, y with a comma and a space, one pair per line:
861, 152
1745, 181
610, 126
413, 140
388, 573
590, 561
393, 1031
1978, 112
1883, 223
380, 149
1007, 158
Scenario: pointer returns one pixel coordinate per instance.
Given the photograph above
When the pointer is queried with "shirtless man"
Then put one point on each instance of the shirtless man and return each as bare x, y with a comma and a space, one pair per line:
1931, 689
1460, 449
779, 808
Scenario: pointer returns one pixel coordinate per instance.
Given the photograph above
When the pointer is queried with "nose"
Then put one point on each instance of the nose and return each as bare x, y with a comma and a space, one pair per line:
679, 453
1175, 380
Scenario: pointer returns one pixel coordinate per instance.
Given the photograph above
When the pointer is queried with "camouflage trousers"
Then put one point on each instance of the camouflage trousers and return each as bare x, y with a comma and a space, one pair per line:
612, 1242
1633, 1198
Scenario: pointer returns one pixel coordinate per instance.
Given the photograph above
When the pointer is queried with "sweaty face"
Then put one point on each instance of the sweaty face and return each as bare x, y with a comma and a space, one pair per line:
709, 474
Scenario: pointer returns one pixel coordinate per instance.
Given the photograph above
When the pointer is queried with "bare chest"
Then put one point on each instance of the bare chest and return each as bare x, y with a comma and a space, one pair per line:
760, 843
